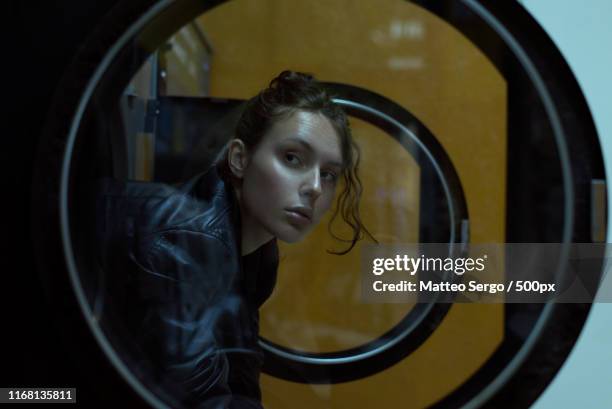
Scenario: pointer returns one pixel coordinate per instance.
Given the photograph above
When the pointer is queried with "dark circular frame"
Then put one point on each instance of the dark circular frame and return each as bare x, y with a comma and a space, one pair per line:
513, 42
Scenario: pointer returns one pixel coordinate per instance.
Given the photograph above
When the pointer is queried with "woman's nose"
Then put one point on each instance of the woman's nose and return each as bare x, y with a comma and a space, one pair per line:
312, 184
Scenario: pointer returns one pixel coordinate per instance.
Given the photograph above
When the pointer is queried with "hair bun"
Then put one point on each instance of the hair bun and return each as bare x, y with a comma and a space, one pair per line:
291, 79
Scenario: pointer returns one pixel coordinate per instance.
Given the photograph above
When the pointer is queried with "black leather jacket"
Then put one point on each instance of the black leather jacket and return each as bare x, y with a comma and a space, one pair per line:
182, 303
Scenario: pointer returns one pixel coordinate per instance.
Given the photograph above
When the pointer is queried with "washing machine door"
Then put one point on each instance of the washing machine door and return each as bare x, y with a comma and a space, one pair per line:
472, 130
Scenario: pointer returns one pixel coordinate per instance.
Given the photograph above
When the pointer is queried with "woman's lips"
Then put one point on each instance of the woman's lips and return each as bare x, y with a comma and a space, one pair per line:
297, 217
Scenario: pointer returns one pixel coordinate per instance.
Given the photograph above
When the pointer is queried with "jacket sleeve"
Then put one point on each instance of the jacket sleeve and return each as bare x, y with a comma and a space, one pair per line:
194, 326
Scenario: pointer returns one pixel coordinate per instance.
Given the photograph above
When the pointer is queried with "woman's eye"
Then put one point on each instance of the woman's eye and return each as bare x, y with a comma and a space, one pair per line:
292, 159
330, 176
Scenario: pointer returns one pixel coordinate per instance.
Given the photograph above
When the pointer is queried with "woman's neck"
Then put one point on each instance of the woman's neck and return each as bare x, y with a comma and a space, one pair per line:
253, 235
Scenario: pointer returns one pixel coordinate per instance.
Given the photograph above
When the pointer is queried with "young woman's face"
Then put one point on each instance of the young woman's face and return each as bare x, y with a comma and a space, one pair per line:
290, 180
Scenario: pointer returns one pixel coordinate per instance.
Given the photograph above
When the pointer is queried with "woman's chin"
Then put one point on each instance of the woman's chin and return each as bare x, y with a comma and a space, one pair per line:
291, 236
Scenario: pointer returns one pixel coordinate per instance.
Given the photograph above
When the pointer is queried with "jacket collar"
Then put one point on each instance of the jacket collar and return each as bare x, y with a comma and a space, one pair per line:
212, 188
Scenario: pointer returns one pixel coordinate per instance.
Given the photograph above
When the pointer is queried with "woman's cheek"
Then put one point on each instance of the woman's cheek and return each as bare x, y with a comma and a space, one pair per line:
278, 162
325, 204
267, 173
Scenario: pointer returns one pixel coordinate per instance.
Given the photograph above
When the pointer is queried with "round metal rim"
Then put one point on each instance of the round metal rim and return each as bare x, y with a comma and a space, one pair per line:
155, 10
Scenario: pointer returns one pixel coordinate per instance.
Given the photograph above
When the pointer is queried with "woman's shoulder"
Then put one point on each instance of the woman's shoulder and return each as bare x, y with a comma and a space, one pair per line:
200, 209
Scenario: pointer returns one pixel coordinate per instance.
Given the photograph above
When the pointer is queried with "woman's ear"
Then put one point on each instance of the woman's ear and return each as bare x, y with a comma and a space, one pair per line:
237, 157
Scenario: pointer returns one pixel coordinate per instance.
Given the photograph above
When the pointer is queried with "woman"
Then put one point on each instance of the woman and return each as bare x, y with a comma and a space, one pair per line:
202, 259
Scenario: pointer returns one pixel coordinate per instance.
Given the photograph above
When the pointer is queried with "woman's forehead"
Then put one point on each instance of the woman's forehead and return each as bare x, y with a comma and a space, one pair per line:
313, 131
